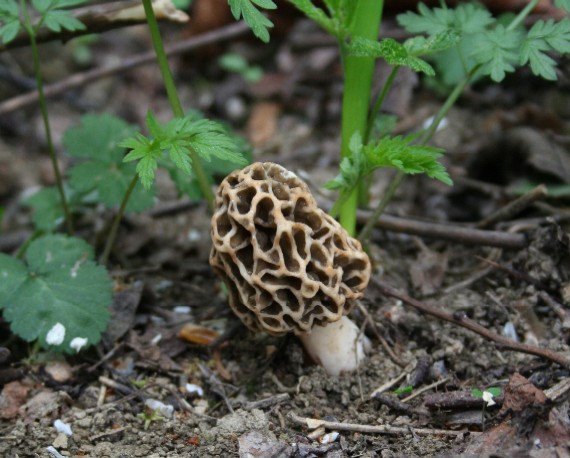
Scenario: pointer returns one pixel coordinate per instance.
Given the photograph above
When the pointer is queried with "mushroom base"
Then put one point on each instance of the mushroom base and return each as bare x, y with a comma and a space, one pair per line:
338, 347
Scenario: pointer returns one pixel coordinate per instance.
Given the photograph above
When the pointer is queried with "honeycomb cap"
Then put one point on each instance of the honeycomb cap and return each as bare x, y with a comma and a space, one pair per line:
287, 264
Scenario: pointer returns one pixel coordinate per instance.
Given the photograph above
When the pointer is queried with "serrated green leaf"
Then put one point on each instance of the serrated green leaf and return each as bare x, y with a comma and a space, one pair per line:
98, 137
421, 46
430, 21
56, 20
258, 23
60, 284
391, 51
42, 5
9, 9
69, 3
9, 31
498, 52
48, 211
145, 169
545, 37
101, 139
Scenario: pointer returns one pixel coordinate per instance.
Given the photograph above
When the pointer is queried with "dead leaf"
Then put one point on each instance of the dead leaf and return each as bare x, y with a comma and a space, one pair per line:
12, 398
198, 334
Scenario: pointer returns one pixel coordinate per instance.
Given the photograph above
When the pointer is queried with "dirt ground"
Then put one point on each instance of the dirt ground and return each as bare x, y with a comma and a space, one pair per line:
256, 392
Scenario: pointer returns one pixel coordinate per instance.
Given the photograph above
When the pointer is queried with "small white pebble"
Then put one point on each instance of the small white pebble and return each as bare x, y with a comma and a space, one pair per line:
78, 343
157, 338
329, 438
62, 427
54, 452
194, 389
56, 334
182, 309
194, 235
510, 332
164, 410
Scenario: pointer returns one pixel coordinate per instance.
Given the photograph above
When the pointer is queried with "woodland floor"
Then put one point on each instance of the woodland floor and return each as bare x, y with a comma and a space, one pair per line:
497, 139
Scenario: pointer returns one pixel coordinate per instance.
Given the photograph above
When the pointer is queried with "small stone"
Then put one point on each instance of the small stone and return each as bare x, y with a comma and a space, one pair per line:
61, 441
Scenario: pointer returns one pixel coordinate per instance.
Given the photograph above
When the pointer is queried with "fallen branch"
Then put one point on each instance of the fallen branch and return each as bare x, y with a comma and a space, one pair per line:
313, 423
460, 319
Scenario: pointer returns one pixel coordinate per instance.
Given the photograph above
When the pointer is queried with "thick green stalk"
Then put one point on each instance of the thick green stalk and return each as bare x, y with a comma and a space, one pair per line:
174, 99
45, 116
358, 72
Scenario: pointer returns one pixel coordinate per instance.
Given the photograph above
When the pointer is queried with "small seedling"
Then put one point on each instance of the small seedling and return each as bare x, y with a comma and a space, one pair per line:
149, 415
235, 63
403, 390
487, 396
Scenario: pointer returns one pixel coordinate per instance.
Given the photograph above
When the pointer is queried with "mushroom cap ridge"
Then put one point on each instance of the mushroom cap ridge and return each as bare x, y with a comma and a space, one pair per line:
287, 264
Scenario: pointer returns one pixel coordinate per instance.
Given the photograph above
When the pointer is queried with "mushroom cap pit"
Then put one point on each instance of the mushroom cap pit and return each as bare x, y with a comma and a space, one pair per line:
287, 264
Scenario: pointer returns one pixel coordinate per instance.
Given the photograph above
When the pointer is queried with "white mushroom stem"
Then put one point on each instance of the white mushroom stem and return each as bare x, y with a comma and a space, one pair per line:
338, 347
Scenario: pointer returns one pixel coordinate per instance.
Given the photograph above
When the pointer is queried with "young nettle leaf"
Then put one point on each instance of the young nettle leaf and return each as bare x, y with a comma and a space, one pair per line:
497, 51
252, 16
391, 51
421, 46
176, 138
397, 152
58, 287
97, 140
55, 17
545, 37
9, 20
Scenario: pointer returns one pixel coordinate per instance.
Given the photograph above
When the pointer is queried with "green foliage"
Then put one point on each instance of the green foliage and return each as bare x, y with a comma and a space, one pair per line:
397, 152
318, 15
235, 63
58, 283
545, 37
53, 15
403, 390
391, 51
174, 140
9, 20
487, 44
97, 142
258, 23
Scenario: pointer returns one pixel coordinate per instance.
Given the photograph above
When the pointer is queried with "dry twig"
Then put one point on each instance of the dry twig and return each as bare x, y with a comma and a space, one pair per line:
313, 423
462, 320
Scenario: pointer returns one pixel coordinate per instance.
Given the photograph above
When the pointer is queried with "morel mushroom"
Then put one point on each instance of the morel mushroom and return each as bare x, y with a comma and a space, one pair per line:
289, 266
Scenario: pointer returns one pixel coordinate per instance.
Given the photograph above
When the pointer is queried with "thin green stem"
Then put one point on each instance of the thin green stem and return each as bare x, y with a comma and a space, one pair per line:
45, 116
117, 221
522, 15
174, 99
378, 103
388, 195
356, 96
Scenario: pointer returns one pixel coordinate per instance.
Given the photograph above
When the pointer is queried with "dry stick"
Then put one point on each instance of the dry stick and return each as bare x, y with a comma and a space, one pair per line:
461, 320
447, 231
515, 207
313, 423
80, 79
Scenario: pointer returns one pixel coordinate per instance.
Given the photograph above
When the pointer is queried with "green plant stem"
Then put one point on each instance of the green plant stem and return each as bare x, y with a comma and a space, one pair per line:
174, 99
356, 96
117, 221
378, 104
45, 116
522, 14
